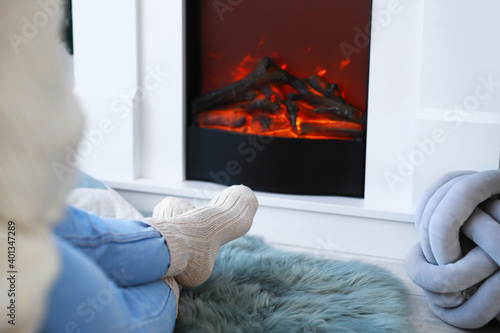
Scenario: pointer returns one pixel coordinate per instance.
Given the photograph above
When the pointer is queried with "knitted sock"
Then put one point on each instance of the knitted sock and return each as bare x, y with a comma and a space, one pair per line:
169, 207
176, 290
194, 237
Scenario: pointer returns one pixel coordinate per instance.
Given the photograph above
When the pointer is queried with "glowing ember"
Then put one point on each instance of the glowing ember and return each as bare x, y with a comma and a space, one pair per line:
271, 101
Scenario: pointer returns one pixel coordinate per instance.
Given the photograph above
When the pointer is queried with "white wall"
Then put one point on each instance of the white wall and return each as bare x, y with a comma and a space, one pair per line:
106, 82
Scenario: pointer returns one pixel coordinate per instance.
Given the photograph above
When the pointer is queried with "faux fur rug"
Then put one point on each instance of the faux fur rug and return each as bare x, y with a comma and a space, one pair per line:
256, 288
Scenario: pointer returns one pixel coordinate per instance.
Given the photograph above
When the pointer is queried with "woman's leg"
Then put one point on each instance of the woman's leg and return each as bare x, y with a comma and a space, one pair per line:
130, 252
85, 299
187, 249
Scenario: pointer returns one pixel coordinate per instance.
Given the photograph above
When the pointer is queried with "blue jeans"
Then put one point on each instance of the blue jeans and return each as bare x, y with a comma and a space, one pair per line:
110, 277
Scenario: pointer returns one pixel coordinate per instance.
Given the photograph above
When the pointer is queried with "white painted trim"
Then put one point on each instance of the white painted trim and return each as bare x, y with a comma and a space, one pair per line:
340, 233
395, 55
162, 110
476, 117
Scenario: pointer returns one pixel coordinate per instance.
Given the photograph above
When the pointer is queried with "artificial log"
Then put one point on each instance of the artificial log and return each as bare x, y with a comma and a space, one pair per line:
260, 94
227, 119
324, 87
329, 101
246, 89
263, 104
330, 130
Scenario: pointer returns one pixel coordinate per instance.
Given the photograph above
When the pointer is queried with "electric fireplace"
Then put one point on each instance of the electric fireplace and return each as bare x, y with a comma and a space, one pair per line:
416, 80
276, 94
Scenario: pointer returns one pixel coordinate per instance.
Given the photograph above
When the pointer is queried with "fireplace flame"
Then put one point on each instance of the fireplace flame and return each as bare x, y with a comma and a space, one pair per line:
344, 63
244, 67
321, 72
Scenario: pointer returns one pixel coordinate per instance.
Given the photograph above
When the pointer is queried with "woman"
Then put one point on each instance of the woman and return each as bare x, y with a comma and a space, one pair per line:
72, 271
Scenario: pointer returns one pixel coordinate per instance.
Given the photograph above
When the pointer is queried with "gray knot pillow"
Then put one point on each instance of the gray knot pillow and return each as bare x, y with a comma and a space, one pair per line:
458, 258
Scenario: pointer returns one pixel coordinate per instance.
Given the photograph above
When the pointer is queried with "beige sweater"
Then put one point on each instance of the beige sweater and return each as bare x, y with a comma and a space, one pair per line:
39, 120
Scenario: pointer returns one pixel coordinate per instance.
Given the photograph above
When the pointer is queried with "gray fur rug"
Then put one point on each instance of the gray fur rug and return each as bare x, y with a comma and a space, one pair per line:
256, 288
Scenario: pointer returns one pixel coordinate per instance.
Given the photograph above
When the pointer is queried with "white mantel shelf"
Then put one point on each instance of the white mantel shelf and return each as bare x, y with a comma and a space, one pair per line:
199, 190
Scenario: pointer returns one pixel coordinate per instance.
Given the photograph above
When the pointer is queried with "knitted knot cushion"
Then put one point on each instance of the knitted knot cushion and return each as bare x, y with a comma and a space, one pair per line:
458, 257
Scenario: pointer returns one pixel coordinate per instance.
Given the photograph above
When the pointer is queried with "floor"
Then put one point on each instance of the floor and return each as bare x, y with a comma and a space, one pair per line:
422, 318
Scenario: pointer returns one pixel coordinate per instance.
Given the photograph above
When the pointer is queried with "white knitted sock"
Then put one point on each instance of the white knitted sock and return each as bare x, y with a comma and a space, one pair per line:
194, 238
176, 290
169, 207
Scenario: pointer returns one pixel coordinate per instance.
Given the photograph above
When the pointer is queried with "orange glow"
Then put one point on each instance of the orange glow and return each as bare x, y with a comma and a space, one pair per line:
283, 67
344, 63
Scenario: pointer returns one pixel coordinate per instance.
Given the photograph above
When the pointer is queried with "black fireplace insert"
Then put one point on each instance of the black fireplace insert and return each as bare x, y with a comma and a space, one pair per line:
276, 94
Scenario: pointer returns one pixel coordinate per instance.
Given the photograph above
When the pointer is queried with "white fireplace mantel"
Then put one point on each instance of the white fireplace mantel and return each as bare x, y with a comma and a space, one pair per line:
434, 106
